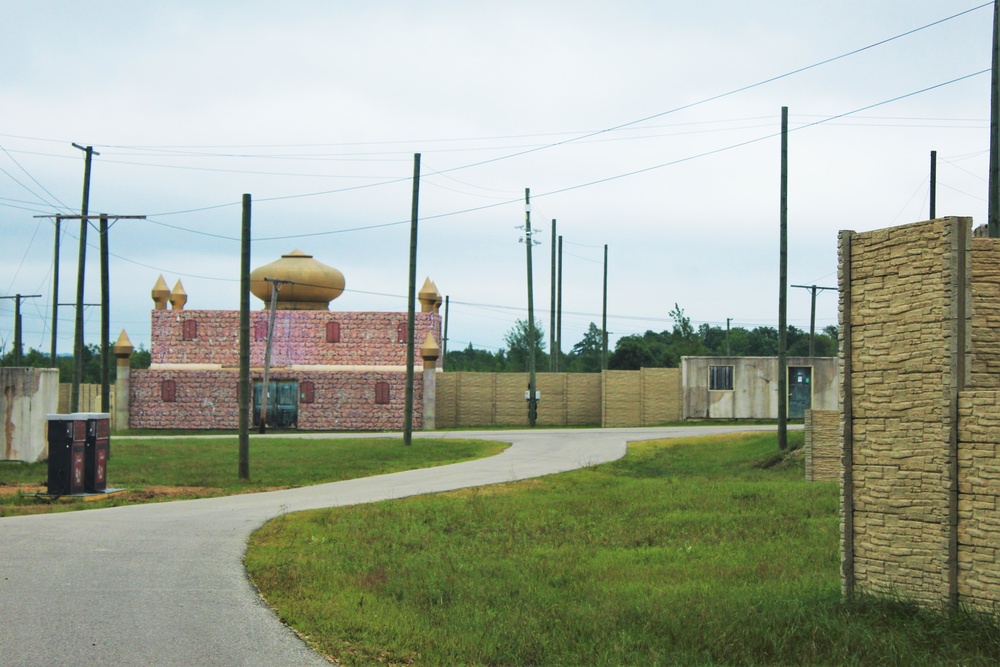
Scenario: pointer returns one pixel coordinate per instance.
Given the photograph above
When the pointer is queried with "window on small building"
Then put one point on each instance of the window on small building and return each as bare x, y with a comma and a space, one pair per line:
307, 392
401, 332
720, 378
168, 391
260, 330
333, 332
382, 393
189, 330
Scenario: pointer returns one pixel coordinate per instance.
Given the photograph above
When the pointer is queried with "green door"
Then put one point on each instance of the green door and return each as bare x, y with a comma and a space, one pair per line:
282, 403
799, 391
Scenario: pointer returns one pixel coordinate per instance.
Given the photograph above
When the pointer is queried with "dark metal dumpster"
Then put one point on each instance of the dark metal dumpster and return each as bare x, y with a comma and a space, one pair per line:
67, 439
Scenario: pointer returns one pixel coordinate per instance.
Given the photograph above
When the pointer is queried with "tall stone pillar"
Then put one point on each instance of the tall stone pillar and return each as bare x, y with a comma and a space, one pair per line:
430, 352
123, 354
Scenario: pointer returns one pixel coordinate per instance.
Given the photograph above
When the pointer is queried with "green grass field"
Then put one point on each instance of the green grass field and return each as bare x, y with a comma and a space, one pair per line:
180, 468
689, 552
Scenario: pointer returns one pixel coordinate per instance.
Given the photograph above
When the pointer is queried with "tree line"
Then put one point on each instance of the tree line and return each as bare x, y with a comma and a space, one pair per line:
91, 362
651, 349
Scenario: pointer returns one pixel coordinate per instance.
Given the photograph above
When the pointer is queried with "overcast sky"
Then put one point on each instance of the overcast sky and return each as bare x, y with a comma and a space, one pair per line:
617, 116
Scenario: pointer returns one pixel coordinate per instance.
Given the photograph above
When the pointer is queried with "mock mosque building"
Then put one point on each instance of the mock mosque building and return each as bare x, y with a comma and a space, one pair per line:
328, 370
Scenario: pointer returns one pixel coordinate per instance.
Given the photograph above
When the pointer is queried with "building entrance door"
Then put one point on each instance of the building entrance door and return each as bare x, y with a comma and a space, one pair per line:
799, 391
282, 403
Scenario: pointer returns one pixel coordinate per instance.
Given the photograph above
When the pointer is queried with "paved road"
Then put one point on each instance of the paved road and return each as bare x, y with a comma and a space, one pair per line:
164, 584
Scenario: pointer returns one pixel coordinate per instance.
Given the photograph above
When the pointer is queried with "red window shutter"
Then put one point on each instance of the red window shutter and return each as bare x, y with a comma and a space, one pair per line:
190, 330
168, 391
382, 393
401, 332
260, 331
333, 332
307, 392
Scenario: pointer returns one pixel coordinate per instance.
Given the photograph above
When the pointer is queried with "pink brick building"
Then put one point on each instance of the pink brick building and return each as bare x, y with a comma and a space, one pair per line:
328, 370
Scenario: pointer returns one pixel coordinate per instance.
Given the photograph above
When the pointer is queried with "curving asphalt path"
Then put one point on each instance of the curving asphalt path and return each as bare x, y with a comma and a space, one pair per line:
164, 584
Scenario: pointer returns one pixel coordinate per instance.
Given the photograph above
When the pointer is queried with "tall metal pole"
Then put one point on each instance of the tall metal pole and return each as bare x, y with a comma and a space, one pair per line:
532, 401
55, 294
265, 387
933, 195
783, 291
994, 196
444, 341
604, 315
728, 320
244, 392
553, 360
105, 318
411, 306
80, 278
559, 313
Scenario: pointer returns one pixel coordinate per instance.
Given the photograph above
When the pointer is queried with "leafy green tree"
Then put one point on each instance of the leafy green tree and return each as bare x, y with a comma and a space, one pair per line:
471, 359
585, 357
517, 346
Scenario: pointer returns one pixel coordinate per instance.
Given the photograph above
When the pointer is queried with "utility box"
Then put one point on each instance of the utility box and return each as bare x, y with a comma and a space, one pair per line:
96, 451
67, 440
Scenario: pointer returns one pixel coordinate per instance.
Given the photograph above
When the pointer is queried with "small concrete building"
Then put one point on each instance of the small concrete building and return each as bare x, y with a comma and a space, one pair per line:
27, 395
747, 387
327, 370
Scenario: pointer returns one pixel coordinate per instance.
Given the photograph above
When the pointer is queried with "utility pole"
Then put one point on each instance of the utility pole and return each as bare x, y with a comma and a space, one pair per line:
411, 306
528, 242
553, 360
243, 392
265, 388
444, 342
933, 195
55, 294
994, 183
783, 291
604, 315
18, 298
105, 296
728, 320
80, 277
812, 312
559, 313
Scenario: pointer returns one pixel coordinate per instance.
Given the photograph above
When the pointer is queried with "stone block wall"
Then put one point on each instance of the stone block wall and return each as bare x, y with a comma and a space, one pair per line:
984, 359
641, 398
27, 397
901, 299
497, 399
300, 337
822, 445
979, 498
207, 399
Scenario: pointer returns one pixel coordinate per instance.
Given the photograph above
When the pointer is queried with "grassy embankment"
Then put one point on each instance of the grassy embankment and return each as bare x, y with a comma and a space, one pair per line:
691, 552
182, 468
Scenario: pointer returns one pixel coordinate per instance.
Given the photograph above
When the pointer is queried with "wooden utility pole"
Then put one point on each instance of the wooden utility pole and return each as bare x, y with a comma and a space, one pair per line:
244, 393
80, 278
994, 184
728, 320
553, 360
528, 242
104, 219
812, 312
444, 338
783, 291
55, 294
265, 388
933, 195
18, 298
411, 306
559, 313
604, 315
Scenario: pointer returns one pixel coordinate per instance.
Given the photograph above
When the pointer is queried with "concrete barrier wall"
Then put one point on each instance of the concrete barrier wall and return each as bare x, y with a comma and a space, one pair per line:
27, 395
822, 445
920, 349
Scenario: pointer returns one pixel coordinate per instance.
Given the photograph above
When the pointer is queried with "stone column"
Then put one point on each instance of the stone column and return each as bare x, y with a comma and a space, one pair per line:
430, 352
123, 353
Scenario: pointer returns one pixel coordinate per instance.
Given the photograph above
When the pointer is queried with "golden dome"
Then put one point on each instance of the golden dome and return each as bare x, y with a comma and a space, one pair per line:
310, 285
